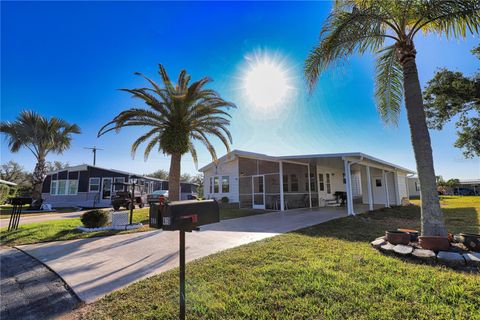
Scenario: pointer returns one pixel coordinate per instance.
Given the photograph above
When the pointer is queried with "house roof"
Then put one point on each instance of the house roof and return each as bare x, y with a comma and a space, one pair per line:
469, 181
84, 167
260, 156
7, 182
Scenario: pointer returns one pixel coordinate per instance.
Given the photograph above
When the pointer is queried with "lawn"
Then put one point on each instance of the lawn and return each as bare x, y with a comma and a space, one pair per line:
328, 271
66, 229
6, 211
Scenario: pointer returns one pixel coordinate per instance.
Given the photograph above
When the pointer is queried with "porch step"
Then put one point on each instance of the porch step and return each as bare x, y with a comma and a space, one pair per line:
332, 203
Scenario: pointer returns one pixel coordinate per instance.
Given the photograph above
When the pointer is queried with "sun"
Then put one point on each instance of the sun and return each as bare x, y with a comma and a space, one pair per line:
266, 82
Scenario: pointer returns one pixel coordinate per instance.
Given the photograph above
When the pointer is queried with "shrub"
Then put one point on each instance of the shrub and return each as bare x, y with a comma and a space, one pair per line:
95, 218
4, 193
225, 200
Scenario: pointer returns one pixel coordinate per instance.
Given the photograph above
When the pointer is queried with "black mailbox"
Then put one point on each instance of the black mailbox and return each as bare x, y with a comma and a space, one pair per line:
189, 215
155, 216
20, 201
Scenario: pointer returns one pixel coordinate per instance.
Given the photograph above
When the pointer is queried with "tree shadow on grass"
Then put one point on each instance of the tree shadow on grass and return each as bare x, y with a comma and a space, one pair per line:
368, 226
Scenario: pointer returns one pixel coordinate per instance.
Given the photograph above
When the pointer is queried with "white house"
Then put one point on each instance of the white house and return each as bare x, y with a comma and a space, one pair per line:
413, 187
261, 181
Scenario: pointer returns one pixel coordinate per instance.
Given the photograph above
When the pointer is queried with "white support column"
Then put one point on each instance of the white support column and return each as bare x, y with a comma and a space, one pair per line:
387, 196
397, 193
282, 203
309, 187
348, 178
369, 188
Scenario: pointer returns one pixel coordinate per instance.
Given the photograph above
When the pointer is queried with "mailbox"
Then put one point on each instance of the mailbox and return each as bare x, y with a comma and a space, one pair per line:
20, 201
189, 215
155, 216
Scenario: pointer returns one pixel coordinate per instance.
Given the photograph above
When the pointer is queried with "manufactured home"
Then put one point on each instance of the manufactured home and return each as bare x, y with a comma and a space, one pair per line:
260, 181
90, 186
413, 184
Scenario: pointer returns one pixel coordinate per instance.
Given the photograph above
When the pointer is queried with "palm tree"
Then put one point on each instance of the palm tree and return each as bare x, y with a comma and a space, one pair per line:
41, 136
388, 28
178, 115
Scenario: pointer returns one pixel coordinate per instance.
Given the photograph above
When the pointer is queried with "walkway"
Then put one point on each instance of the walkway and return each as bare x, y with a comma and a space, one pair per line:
30, 290
95, 267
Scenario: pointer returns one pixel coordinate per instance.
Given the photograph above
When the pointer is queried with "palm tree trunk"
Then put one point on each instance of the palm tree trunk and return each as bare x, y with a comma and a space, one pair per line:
174, 177
37, 178
432, 221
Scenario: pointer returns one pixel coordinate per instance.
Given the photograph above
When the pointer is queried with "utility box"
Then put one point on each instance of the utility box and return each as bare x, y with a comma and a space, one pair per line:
189, 215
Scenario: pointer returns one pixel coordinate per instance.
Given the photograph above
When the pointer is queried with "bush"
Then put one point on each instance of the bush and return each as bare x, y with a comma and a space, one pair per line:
95, 218
225, 200
4, 193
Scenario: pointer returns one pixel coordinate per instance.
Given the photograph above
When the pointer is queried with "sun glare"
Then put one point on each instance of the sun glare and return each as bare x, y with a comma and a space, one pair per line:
266, 82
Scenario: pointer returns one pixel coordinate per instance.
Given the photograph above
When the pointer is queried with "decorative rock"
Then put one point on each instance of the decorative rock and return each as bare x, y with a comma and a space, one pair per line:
388, 247
424, 254
402, 249
378, 242
472, 259
451, 258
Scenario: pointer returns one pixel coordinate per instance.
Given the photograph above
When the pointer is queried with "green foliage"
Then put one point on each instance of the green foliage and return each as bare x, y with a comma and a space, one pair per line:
452, 95
178, 115
225, 200
14, 172
4, 193
159, 174
38, 134
95, 218
386, 28
56, 165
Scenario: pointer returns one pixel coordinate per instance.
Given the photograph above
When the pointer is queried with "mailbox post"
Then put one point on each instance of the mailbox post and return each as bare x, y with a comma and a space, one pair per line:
184, 216
17, 203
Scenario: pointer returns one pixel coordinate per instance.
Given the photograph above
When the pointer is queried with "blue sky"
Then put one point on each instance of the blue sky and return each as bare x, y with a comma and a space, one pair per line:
67, 59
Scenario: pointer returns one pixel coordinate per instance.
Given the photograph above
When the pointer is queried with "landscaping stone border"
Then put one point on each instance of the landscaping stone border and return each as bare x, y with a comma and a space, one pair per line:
469, 261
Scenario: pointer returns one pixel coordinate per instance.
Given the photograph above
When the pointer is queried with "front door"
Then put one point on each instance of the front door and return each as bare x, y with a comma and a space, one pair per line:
258, 192
106, 188
324, 185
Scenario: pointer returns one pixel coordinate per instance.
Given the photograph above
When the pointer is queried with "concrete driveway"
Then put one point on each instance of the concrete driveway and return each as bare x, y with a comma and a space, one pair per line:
98, 266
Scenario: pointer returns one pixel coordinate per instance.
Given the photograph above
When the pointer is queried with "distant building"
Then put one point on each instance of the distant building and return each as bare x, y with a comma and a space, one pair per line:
90, 186
467, 187
413, 187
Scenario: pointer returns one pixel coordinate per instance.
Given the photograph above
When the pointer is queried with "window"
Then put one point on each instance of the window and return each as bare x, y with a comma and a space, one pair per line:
53, 187
294, 183
62, 187
321, 183
344, 179
285, 182
225, 184
312, 181
378, 182
72, 187
118, 187
327, 180
211, 184
94, 185
215, 184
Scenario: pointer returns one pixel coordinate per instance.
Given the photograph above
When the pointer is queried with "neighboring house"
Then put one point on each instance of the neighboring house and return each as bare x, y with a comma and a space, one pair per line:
89, 186
261, 181
467, 187
413, 187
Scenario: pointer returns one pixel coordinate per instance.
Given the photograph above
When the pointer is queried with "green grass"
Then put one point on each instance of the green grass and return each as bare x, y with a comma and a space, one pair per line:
66, 229
6, 211
328, 271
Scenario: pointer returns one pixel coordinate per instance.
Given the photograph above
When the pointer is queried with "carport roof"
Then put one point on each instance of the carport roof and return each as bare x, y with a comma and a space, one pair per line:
260, 156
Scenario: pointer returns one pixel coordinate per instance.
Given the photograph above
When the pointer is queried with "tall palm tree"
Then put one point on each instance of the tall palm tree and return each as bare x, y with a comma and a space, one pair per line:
178, 115
41, 136
388, 28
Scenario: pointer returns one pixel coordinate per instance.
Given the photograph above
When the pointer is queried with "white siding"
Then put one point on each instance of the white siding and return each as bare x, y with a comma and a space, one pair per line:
224, 168
413, 187
402, 186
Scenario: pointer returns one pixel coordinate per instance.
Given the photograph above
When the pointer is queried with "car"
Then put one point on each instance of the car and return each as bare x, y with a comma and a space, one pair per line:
155, 195
124, 199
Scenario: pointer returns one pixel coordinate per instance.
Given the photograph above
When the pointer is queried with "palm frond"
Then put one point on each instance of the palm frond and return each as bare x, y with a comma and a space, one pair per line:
388, 85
